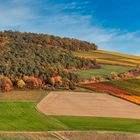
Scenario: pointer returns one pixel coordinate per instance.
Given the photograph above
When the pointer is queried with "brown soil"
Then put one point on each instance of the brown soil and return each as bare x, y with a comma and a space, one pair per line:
87, 104
100, 136
70, 135
22, 95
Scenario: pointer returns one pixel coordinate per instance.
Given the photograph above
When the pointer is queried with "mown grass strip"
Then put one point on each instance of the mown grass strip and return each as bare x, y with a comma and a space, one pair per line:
105, 71
22, 116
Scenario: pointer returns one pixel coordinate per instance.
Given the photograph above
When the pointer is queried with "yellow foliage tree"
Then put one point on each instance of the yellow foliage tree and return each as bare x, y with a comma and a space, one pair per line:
25, 78
138, 77
1, 77
21, 83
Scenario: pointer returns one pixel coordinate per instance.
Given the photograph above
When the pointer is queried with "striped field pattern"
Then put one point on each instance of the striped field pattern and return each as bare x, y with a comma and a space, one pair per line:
107, 57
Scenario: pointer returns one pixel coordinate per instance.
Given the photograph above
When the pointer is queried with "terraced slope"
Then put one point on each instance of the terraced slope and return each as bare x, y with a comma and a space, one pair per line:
113, 58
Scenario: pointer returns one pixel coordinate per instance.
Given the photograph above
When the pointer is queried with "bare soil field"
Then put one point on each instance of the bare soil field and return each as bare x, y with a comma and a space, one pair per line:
87, 104
98, 135
23, 95
69, 135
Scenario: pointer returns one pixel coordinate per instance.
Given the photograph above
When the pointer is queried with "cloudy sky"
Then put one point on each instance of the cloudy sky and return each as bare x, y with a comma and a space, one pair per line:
111, 24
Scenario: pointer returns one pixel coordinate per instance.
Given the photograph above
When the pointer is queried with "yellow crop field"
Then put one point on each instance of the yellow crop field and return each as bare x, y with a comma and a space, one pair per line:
107, 57
137, 62
119, 54
114, 62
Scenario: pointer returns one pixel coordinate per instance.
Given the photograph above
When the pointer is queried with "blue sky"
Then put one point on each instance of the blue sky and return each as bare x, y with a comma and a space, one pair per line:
111, 24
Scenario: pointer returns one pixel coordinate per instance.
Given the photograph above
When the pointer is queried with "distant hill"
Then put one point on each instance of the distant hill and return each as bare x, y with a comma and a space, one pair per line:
108, 57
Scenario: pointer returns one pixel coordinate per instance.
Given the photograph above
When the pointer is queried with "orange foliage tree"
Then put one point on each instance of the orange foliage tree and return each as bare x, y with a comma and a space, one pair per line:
33, 82
6, 84
56, 81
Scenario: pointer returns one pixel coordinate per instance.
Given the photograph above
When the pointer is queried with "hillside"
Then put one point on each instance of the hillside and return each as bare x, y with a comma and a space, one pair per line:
104, 71
55, 61
43, 56
110, 62
108, 57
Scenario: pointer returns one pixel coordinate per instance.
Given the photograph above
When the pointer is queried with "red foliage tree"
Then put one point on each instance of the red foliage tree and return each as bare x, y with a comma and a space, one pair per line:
57, 78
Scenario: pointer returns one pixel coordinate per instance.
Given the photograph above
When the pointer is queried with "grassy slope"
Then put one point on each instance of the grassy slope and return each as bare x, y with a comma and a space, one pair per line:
104, 71
130, 85
113, 58
22, 116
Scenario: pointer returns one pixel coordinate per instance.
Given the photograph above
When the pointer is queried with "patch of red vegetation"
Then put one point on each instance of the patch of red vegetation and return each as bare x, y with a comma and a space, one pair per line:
104, 88
113, 91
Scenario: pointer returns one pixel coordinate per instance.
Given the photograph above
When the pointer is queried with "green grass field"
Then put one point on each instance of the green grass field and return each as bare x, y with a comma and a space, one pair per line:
104, 71
130, 85
22, 116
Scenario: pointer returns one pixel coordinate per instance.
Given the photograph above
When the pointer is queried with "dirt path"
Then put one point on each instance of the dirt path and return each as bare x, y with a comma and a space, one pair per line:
69, 135
87, 104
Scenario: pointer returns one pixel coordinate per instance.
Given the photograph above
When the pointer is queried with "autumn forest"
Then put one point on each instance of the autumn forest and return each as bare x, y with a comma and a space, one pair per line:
29, 60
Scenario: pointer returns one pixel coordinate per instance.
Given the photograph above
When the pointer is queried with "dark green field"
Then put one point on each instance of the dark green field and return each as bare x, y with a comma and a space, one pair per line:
130, 85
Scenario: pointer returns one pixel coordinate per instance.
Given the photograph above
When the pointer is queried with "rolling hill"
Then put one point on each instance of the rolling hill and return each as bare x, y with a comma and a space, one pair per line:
104, 71
48, 62
52, 58
43, 56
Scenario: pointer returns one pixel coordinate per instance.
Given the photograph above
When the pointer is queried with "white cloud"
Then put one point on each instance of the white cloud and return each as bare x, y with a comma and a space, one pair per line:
51, 18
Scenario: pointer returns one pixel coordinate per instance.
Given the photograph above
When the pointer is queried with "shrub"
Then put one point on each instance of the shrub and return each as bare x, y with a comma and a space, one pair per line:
21, 83
6, 84
128, 75
93, 78
138, 68
52, 81
138, 77
66, 83
33, 82
58, 78
25, 78
1, 78
72, 86
46, 87
97, 79
114, 76
56, 81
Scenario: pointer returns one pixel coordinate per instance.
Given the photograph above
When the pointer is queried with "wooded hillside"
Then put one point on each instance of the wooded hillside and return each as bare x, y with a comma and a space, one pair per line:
42, 56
